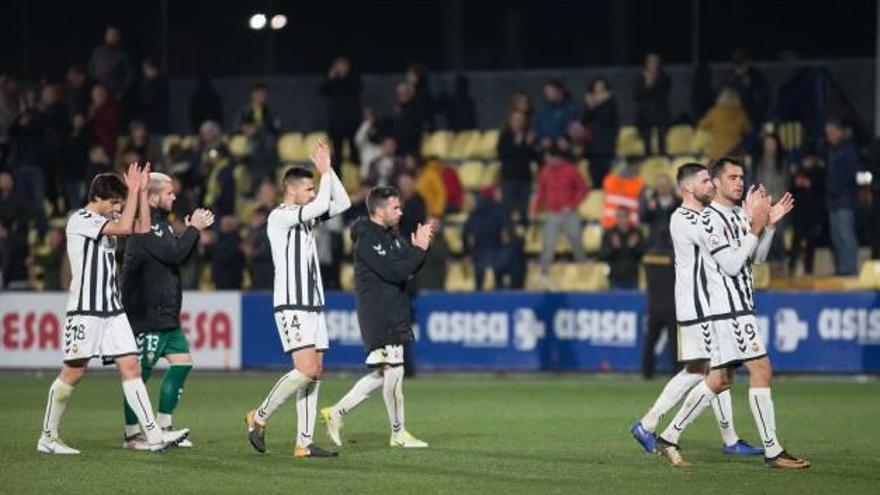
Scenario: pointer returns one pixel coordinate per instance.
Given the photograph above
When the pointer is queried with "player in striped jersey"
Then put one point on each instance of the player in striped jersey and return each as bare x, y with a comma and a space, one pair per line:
733, 238
299, 298
95, 324
692, 308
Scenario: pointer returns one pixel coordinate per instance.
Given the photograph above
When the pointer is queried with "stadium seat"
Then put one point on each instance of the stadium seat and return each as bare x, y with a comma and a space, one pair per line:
792, 135
491, 174
629, 142
869, 277
346, 277
487, 148
584, 168
584, 277
347, 244
459, 277
291, 148
168, 141
464, 145
351, 177
310, 139
681, 160
532, 240
470, 174
591, 207
592, 237
654, 166
437, 144
761, 276
701, 141
679, 139
453, 236
238, 145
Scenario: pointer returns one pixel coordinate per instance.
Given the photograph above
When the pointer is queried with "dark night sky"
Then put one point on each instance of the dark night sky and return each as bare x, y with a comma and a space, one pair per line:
383, 36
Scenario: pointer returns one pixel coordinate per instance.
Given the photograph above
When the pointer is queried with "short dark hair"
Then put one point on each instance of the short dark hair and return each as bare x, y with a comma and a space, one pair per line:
107, 186
688, 170
294, 174
258, 87
379, 196
718, 165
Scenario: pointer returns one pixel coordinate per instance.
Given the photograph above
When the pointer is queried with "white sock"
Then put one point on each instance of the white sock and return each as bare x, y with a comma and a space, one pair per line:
164, 420
306, 412
59, 392
132, 430
139, 402
724, 414
359, 392
696, 402
392, 392
674, 390
286, 386
765, 418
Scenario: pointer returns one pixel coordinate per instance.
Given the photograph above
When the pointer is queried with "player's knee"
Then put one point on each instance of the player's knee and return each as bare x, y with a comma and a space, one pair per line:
311, 370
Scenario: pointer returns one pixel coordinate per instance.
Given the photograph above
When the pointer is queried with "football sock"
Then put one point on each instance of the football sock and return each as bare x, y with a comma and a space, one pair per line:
59, 392
358, 393
761, 403
723, 408
286, 386
136, 395
674, 390
131, 420
306, 412
695, 403
392, 392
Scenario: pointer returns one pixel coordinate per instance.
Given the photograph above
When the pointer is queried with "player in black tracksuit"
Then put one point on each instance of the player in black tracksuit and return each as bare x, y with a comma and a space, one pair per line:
383, 263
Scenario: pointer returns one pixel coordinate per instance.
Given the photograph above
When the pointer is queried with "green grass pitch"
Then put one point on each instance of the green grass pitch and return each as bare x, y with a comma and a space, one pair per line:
488, 435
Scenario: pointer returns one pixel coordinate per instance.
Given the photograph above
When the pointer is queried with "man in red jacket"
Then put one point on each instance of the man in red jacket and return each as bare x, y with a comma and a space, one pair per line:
561, 188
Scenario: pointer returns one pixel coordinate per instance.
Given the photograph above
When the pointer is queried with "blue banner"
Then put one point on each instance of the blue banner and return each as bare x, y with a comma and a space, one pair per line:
805, 332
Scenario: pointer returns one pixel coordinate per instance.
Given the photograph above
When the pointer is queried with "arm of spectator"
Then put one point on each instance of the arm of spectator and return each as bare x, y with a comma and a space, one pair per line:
362, 136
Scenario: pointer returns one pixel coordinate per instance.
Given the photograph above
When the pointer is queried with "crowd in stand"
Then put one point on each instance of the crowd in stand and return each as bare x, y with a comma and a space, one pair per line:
55, 136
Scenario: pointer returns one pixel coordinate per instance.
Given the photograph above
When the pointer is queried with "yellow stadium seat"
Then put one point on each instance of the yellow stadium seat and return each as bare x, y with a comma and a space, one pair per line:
629, 142
701, 140
347, 244
869, 277
453, 236
351, 177
679, 139
168, 141
491, 174
238, 145
346, 277
585, 277
459, 277
654, 166
189, 142
437, 144
761, 276
471, 175
311, 139
591, 207
532, 240
464, 145
584, 168
487, 147
791, 134
592, 237
291, 148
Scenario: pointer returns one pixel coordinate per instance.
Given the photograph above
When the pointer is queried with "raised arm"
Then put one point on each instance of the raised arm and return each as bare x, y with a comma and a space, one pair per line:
124, 225
142, 225
339, 200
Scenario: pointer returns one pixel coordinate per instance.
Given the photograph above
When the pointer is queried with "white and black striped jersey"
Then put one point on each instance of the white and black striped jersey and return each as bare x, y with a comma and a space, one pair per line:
692, 298
298, 282
730, 252
92, 255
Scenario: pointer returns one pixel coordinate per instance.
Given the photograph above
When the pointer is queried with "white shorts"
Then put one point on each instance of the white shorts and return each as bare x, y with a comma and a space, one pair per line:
736, 340
695, 342
90, 336
301, 329
390, 355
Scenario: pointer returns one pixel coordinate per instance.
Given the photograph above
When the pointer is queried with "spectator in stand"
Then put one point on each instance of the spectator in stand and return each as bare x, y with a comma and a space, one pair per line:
412, 204
210, 138
655, 210
55, 124
221, 189
99, 163
432, 275
511, 267
554, 115
726, 122
104, 120
516, 150
770, 168
843, 164
454, 190
652, 96
752, 86
153, 98
368, 142
561, 188
76, 159
14, 219
407, 120
141, 147
51, 258
226, 255
9, 101
26, 134
808, 189
521, 102
622, 249
600, 118
259, 252
459, 108
258, 111
110, 65
78, 92
259, 155
429, 184
423, 102
623, 188
384, 169
483, 232
341, 91
266, 195
205, 105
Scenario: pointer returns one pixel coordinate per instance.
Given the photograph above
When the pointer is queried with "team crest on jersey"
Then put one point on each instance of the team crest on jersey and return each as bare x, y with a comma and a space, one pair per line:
714, 241
379, 250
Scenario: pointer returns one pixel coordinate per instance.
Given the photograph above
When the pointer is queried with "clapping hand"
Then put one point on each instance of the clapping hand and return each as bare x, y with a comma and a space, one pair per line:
200, 219
780, 209
422, 237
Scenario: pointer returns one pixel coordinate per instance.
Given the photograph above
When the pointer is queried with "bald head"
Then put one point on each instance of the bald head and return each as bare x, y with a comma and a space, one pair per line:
160, 192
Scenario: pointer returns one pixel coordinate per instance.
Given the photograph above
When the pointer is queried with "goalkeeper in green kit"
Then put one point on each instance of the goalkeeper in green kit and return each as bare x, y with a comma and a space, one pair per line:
152, 297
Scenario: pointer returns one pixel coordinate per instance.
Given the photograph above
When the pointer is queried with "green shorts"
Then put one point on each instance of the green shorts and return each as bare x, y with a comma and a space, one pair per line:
160, 343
